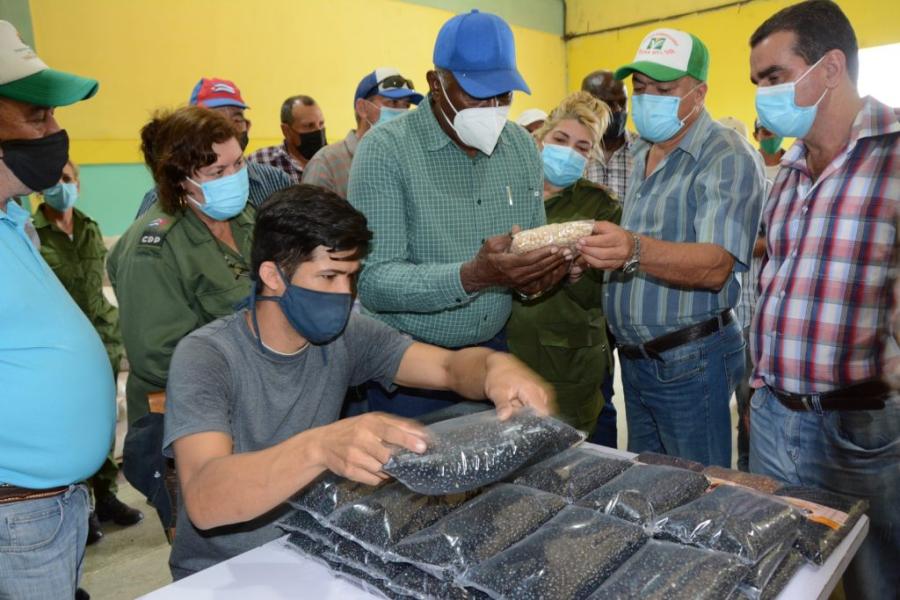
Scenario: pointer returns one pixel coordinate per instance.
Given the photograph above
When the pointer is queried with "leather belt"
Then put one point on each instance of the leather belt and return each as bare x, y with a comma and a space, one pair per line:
657, 346
12, 493
868, 395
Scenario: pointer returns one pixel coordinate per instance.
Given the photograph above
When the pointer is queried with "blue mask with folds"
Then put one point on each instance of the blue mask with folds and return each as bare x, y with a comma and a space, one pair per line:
777, 108
563, 165
656, 117
224, 197
61, 196
389, 114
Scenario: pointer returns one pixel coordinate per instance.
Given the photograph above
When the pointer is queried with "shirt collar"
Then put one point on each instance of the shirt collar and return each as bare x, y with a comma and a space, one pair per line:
199, 233
693, 142
15, 214
351, 142
284, 150
873, 120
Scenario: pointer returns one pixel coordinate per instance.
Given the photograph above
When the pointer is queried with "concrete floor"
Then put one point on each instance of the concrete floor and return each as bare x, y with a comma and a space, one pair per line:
132, 561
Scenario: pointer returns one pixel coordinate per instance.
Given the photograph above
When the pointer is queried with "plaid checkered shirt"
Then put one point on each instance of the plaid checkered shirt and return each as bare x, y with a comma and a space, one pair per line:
280, 158
825, 289
330, 167
614, 173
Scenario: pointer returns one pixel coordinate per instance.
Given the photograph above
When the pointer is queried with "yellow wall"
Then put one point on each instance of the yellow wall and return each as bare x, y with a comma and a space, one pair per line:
725, 32
149, 54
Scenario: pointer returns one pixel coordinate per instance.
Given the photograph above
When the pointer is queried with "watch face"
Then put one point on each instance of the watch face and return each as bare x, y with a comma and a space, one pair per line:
630, 267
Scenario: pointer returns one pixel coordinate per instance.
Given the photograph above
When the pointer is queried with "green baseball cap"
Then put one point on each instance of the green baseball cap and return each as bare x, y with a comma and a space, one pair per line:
667, 55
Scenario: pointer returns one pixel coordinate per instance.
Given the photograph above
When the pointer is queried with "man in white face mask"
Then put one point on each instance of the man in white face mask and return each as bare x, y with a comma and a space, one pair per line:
442, 188
821, 415
688, 226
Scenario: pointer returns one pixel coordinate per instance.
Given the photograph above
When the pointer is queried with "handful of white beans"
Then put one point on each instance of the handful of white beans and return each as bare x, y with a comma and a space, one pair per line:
563, 235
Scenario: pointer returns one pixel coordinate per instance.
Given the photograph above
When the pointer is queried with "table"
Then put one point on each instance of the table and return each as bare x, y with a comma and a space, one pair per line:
275, 572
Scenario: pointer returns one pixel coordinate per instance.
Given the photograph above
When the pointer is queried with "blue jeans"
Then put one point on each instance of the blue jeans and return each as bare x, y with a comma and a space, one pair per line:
42, 545
606, 433
679, 405
856, 453
415, 402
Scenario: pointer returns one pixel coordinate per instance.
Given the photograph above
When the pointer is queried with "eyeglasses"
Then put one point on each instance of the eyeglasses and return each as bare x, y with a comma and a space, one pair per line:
395, 82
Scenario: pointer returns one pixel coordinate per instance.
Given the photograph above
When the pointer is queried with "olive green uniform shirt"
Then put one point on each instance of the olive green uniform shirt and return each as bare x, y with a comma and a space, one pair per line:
562, 334
78, 264
171, 276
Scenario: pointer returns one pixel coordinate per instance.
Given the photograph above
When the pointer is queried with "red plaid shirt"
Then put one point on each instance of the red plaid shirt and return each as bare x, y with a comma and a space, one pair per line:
825, 287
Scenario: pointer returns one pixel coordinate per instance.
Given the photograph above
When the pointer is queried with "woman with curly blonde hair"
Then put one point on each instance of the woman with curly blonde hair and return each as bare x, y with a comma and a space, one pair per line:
562, 334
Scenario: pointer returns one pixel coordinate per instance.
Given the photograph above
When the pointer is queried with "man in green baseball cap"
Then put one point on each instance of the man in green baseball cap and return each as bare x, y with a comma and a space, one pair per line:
688, 226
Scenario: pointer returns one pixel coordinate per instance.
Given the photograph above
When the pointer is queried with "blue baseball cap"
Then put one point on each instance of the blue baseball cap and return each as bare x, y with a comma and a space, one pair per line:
479, 49
387, 82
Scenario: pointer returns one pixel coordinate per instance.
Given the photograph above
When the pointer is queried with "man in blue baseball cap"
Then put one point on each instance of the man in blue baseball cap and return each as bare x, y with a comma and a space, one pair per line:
222, 95
442, 188
382, 95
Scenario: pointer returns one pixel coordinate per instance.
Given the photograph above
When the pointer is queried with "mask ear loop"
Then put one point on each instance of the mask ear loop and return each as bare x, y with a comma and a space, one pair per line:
691, 91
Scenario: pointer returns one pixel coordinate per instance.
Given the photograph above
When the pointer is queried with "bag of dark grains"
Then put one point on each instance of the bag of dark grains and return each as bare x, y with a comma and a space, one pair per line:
572, 473
760, 483
328, 492
418, 584
352, 554
792, 563
731, 519
482, 527
476, 450
307, 547
645, 491
364, 581
652, 458
828, 518
761, 572
568, 558
298, 521
378, 521
670, 571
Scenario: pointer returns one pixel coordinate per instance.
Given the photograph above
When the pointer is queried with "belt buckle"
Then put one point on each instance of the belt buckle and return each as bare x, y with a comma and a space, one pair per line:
812, 403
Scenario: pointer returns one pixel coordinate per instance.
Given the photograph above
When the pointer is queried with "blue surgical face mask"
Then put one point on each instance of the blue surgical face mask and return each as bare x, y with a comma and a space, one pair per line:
389, 114
225, 197
61, 196
563, 166
777, 108
656, 117
317, 316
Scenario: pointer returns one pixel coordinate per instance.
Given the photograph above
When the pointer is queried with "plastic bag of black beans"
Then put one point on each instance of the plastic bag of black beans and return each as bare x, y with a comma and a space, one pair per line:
352, 554
761, 572
568, 558
479, 529
328, 492
381, 519
652, 458
364, 581
298, 521
669, 571
828, 518
420, 585
731, 519
476, 450
644, 492
792, 563
572, 473
307, 547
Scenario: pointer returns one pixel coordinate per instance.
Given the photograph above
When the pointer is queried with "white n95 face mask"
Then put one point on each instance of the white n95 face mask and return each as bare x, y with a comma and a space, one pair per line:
478, 127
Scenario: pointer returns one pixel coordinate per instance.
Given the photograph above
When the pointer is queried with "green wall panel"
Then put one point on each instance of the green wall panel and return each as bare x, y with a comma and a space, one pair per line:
18, 13
542, 15
111, 194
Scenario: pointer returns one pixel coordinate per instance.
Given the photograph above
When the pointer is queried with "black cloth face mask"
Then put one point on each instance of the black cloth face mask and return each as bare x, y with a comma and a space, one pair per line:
311, 142
616, 127
37, 163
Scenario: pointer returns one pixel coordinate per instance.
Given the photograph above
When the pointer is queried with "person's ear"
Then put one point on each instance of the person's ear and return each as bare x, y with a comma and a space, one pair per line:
701, 92
286, 131
361, 107
270, 277
433, 84
835, 66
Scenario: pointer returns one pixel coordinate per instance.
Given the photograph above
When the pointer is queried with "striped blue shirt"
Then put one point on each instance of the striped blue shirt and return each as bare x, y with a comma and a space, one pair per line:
708, 190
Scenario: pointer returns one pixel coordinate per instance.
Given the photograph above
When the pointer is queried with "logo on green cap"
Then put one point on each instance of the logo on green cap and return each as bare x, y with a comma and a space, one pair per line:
656, 43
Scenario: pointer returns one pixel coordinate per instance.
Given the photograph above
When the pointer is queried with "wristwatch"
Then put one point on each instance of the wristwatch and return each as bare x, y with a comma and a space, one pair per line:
631, 265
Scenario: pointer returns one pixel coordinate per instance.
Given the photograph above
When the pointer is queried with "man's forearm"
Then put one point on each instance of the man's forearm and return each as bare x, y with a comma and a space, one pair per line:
240, 487
467, 370
690, 265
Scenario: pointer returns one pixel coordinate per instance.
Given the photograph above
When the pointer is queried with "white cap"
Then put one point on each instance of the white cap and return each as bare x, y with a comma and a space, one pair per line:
530, 116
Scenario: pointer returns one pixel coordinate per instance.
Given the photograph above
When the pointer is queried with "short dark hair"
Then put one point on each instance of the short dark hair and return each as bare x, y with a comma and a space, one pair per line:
287, 107
177, 143
294, 221
820, 26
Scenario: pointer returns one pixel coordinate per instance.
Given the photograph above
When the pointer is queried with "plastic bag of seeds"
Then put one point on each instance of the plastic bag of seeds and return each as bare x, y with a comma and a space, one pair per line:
420, 585
364, 581
378, 521
645, 491
731, 519
479, 529
760, 573
328, 492
307, 547
572, 473
666, 571
828, 518
298, 521
475, 450
792, 563
563, 235
568, 557
352, 554
652, 458
760, 483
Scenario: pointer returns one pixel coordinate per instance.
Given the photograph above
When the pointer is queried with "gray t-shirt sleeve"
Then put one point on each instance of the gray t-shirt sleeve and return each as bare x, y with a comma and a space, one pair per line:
198, 393
375, 350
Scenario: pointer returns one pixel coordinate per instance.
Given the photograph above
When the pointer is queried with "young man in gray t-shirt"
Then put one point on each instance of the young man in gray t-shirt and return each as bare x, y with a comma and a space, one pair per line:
253, 399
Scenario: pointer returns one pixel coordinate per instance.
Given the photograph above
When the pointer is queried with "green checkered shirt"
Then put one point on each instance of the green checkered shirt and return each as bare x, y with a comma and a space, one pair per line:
431, 206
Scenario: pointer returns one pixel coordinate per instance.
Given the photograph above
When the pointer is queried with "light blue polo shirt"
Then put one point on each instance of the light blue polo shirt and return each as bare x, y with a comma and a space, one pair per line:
57, 395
